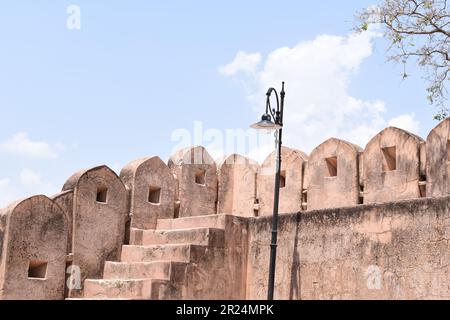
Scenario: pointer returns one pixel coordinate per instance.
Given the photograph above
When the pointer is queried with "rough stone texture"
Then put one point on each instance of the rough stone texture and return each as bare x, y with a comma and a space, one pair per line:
386, 250
65, 201
332, 175
392, 175
291, 194
380, 251
33, 243
98, 220
438, 160
197, 182
177, 261
152, 191
237, 186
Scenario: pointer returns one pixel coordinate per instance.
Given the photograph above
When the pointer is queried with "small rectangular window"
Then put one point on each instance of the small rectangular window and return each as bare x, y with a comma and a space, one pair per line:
102, 195
37, 269
200, 177
154, 195
361, 195
305, 199
389, 158
331, 163
448, 150
283, 179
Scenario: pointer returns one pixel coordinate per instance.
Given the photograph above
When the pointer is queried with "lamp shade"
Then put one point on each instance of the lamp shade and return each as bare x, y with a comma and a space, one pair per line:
266, 123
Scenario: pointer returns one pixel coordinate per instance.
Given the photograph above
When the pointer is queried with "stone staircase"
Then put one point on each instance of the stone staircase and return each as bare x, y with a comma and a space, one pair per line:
181, 259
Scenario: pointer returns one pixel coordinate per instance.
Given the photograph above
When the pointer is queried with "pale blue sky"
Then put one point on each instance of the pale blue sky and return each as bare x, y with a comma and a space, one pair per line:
116, 89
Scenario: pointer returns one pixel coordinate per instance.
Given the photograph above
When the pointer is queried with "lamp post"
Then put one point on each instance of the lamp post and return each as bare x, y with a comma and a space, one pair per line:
266, 123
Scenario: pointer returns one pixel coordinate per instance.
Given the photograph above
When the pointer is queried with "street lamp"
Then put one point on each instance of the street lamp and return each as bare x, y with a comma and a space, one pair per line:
266, 123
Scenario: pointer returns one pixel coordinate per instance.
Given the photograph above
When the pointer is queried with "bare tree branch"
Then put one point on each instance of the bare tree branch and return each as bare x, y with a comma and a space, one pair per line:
417, 30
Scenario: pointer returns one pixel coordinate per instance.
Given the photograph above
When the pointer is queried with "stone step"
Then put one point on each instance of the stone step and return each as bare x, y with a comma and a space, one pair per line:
169, 252
141, 270
199, 236
213, 221
138, 289
118, 289
96, 299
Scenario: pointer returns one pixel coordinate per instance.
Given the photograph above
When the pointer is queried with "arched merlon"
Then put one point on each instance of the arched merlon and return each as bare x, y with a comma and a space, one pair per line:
237, 186
391, 169
332, 175
99, 215
291, 182
196, 175
152, 191
33, 244
438, 160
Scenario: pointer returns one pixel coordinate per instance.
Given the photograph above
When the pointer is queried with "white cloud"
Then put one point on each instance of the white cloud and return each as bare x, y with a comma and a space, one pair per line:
28, 183
406, 122
33, 183
29, 178
4, 183
243, 62
20, 144
318, 102
7, 193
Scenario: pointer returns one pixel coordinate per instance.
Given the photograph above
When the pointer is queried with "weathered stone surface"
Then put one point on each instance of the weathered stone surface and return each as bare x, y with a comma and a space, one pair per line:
392, 166
99, 216
33, 244
237, 186
208, 262
65, 201
196, 175
292, 182
438, 160
332, 175
379, 251
152, 191
179, 248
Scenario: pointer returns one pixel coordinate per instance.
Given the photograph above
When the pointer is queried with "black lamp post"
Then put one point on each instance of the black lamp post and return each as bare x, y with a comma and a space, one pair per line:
277, 124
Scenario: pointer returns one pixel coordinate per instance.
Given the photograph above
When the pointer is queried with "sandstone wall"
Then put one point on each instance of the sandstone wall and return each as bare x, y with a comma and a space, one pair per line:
151, 187
438, 156
196, 174
99, 214
386, 251
291, 182
237, 186
332, 175
375, 231
33, 244
391, 166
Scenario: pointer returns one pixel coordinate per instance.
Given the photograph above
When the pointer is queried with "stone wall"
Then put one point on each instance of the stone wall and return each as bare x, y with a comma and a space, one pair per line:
33, 244
372, 220
395, 250
99, 214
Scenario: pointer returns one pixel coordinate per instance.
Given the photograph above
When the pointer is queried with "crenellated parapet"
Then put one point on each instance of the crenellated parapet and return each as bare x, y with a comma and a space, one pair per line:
291, 183
196, 174
33, 249
391, 166
332, 175
438, 160
237, 178
98, 212
152, 189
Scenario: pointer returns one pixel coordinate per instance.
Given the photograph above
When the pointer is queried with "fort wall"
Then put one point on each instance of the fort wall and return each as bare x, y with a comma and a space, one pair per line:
396, 250
354, 223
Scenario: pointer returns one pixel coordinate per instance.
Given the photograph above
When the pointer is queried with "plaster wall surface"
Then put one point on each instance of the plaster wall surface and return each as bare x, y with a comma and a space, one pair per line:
397, 250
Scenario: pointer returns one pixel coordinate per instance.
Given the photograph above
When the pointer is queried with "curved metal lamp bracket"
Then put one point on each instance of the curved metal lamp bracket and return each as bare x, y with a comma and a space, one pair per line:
277, 114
